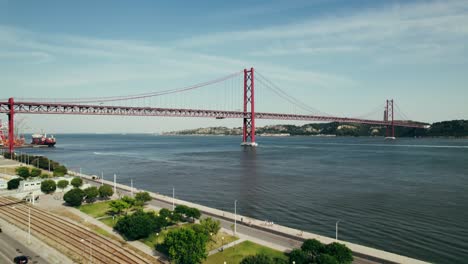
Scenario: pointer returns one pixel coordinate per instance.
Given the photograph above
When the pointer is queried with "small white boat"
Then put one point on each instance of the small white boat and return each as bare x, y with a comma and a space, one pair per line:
390, 138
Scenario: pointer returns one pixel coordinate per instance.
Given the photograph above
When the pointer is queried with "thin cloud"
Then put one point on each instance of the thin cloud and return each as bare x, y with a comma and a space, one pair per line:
399, 26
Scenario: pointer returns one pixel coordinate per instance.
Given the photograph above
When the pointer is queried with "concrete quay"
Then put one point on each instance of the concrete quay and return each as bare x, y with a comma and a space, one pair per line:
359, 251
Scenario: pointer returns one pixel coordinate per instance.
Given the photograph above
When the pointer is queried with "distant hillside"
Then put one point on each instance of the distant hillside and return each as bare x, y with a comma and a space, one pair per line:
455, 128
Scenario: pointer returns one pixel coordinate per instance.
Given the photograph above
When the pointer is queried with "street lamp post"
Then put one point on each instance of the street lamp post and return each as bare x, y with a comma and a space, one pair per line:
336, 229
131, 187
102, 178
235, 217
173, 198
115, 184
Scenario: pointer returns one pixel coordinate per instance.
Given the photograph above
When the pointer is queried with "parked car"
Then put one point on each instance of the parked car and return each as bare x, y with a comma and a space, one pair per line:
20, 260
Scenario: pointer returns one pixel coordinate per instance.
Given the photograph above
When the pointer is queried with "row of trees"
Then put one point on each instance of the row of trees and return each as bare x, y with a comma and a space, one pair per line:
40, 162
76, 196
141, 224
312, 251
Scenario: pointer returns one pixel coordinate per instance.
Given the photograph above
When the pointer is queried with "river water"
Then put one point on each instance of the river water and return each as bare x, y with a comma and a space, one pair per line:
408, 196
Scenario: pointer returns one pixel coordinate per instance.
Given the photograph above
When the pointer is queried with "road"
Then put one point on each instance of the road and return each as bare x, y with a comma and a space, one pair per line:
10, 248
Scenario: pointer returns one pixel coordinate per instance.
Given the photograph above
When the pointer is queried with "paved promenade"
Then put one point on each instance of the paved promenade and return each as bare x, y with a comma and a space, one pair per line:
294, 235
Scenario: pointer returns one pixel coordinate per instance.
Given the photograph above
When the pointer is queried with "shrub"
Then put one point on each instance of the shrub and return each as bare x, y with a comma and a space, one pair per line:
136, 226
60, 170
35, 172
76, 182
91, 193
74, 197
13, 183
105, 191
62, 184
185, 245
44, 176
48, 186
23, 172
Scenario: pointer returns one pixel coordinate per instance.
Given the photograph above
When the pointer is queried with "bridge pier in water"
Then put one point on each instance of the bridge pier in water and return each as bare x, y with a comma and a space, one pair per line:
248, 131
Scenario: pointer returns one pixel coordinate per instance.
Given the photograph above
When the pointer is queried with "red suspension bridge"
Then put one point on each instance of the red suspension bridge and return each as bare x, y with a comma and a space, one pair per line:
225, 97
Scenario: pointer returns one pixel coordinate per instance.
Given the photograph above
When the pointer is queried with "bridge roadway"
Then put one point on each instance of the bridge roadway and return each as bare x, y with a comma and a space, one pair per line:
86, 109
283, 237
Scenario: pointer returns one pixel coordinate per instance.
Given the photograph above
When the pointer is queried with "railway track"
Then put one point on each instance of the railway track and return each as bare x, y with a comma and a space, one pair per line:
90, 246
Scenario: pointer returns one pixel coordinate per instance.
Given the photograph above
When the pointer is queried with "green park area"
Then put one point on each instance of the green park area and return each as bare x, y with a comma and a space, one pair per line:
237, 253
184, 237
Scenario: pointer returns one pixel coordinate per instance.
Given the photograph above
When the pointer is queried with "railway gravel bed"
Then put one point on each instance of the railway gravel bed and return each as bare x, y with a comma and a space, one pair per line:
83, 243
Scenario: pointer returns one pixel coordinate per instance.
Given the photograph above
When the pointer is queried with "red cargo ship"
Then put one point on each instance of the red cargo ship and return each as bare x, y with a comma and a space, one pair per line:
42, 139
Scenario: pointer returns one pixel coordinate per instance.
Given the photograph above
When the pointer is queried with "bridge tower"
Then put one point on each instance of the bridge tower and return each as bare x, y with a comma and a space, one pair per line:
389, 117
248, 132
11, 124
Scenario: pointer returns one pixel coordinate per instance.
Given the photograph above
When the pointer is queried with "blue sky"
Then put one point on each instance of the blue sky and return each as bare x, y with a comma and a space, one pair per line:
342, 57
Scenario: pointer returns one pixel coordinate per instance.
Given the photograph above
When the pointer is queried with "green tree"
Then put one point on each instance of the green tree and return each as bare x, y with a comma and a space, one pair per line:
116, 207
185, 245
48, 186
164, 212
181, 209
60, 170
257, 259
193, 213
210, 226
35, 172
62, 184
312, 248
105, 191
143, 197
74, 197
76, 182
91, 193
132, 203
136, 226
341, 252
13, 183
298, 256
326, 259
23, 172
44, 176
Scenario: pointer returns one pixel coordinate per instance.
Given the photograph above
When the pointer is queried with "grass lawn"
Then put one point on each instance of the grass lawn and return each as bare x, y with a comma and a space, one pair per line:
217, 240
109, 221
95, 209
235, 254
